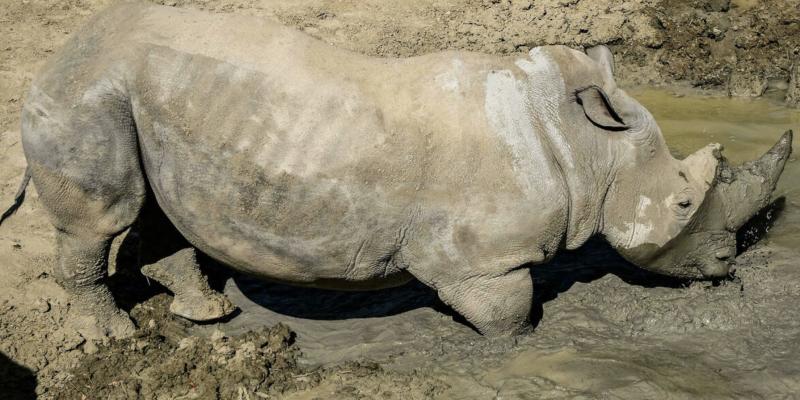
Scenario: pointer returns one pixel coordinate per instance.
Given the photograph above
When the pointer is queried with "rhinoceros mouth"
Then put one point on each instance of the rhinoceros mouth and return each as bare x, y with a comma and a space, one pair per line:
717, 269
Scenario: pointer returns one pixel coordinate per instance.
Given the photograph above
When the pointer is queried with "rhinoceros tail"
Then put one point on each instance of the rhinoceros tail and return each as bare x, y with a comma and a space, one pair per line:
19, 197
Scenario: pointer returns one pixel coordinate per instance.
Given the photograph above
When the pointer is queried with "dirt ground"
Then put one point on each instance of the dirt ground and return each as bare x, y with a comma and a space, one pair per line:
605, 329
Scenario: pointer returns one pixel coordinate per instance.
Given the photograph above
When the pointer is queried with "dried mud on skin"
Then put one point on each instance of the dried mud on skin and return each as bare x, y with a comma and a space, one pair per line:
602, 333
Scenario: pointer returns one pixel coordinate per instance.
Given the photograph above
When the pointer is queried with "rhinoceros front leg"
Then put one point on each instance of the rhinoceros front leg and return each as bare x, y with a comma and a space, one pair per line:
495, 305
194, 299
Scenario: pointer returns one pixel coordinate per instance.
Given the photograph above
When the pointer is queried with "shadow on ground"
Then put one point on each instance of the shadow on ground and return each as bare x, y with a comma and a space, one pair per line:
592, 261
16, 381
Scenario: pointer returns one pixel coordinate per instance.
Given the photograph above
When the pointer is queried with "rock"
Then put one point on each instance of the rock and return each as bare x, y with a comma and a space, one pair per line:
90, 347
71, 341
524, 5
217, 335
717, 5
742, 84
778, 84
793, 91
186, 343
224, 350
140, 345
42, 305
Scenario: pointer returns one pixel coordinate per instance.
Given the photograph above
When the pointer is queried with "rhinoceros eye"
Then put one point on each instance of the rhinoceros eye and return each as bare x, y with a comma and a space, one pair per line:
683, 204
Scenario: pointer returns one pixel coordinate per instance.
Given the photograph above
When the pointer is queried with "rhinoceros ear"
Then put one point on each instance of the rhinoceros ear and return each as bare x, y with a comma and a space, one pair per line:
602, 55
599, 110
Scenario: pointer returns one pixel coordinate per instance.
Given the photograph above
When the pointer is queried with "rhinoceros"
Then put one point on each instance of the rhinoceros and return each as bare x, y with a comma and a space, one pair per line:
291, 160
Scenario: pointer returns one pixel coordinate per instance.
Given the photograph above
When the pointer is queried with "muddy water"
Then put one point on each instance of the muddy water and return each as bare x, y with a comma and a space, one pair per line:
605, 329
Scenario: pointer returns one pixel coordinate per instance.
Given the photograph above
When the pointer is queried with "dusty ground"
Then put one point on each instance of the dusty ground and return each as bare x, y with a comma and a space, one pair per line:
605, 329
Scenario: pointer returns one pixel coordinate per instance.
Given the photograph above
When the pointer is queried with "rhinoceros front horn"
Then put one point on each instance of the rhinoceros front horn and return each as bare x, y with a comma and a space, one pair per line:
747, 189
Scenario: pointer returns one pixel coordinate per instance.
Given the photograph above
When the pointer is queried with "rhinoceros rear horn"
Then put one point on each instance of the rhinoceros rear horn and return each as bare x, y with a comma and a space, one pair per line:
603, 56
747, 189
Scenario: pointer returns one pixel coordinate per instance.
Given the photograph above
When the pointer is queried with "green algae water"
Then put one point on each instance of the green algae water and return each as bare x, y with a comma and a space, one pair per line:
745, 127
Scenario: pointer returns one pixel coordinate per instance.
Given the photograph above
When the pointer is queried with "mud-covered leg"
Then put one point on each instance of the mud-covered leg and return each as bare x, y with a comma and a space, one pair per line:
82, 270
194, 299
496, 306
80, 142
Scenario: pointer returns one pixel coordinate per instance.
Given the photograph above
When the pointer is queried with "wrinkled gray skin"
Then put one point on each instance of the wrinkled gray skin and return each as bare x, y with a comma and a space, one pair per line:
298, 162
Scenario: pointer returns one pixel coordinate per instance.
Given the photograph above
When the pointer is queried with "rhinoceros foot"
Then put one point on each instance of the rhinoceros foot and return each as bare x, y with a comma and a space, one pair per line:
113, 324
194, 299
198, 306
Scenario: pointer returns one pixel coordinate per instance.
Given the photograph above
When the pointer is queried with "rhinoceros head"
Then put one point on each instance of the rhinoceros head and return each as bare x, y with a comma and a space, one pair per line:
680, 217
671, 216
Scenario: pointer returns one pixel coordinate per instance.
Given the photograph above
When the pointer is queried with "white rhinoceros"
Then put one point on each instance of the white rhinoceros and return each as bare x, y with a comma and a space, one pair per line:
295, 161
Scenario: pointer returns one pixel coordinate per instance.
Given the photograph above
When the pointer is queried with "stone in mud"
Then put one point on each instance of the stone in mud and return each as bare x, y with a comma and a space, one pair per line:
746, 84
523, 5
716, 5
793, 91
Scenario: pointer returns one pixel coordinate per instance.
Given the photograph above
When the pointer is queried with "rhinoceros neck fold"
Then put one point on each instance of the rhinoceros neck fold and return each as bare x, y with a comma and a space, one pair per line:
583, 166
587, 181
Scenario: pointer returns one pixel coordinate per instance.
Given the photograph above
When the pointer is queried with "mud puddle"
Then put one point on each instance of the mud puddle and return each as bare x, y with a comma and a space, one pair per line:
604, 328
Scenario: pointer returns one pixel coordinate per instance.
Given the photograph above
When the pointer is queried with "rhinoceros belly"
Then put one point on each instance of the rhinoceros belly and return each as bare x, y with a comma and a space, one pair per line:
281, 226
267, 175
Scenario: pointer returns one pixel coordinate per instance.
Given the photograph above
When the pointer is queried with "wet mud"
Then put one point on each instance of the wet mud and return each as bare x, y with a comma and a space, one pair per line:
604, 329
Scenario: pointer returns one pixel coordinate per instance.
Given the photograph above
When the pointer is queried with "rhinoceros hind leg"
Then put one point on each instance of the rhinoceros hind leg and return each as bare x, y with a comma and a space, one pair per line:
495, 306
194, 299
81, 270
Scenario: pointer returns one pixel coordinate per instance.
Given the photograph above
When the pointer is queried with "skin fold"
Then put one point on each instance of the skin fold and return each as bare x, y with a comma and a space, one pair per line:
294, 161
